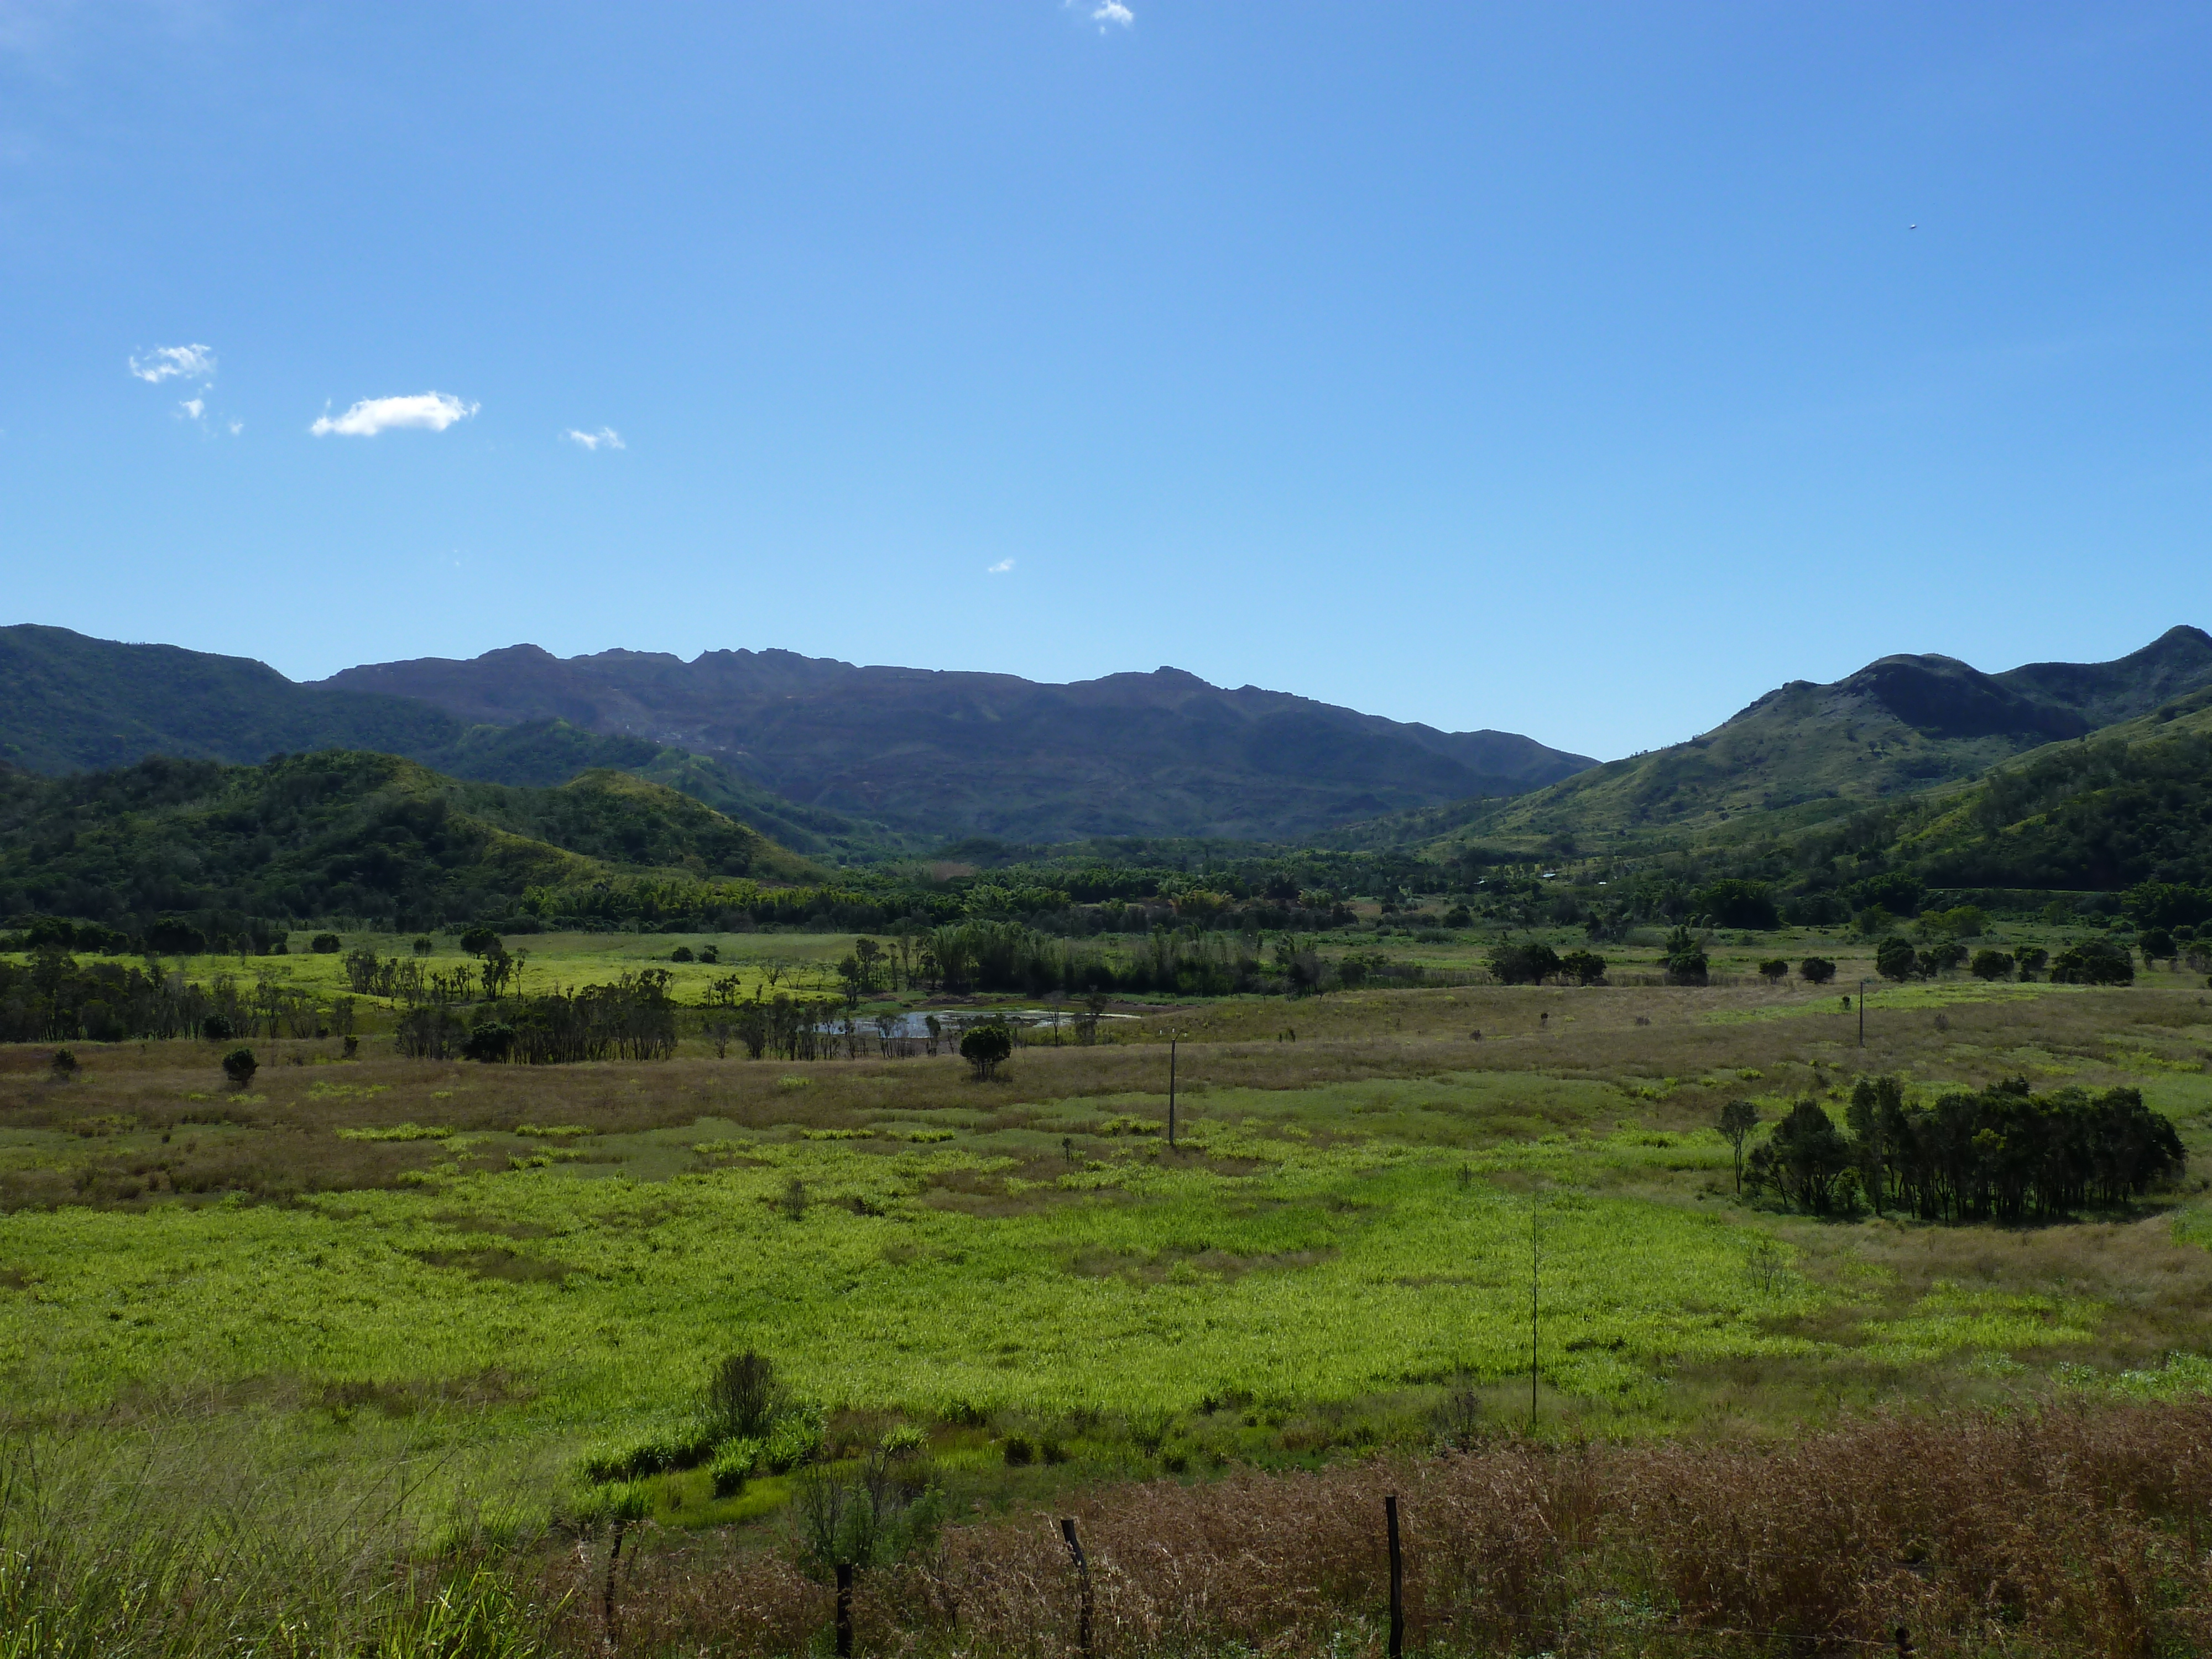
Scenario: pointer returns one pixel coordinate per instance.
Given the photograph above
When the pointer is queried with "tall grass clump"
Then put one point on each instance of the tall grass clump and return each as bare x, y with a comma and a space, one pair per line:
166, 1545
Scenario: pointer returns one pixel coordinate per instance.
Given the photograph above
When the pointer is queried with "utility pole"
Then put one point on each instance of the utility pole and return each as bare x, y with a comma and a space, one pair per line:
1863, 984
1532, 1309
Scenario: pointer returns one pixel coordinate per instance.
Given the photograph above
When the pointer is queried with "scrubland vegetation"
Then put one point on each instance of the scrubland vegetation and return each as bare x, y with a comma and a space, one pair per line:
364, 1352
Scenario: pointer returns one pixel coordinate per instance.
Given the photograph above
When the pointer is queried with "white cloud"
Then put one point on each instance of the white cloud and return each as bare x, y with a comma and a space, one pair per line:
1113, 12
605, 434
999, 569
183, 362
237, 427
193, 408
431, 411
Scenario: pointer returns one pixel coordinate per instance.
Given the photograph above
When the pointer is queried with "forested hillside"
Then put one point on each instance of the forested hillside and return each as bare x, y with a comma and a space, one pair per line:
343, 833
1808, 753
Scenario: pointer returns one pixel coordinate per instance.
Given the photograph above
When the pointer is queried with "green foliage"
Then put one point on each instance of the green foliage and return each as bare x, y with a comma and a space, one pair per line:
1991, 965
1895, 959
733, 1465
2093, 962
1526, 962
2006, 1154
1583, 967
1816, 970
876, 1517
327, 945
1802, 1158
1774, 970
1685, 958
1733, 902
239, 1066
986, 1046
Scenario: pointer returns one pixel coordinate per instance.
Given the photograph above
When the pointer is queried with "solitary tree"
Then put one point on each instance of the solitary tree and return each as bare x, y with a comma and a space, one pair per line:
1894, 958
1816, 970
1991, 965
239, 1066
1775, 971
1736, 1122
986, 1046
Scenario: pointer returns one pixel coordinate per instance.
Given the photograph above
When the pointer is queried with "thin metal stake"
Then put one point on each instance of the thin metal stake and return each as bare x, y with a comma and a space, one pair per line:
1861, 1013
1171, 1092
1397, 1579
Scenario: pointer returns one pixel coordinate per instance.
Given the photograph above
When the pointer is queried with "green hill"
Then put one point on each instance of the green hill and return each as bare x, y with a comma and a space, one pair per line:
341, 832
69, 703
1806, 753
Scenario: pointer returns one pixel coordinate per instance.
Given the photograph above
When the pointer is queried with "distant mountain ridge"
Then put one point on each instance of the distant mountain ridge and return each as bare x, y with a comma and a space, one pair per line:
955, 753
1900, 725
70, 703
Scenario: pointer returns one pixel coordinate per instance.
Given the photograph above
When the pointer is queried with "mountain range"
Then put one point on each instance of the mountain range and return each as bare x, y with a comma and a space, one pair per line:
841, 762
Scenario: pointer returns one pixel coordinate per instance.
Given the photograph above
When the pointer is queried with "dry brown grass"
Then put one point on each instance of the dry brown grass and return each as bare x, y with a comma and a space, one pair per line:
2069, 1532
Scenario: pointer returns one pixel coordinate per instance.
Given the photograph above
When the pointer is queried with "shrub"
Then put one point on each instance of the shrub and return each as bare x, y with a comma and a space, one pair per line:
489, 1041
1583, 966
681, 953
64, 1064
478, 939
216, 1028
239, 1066
1528, 964
326, 945
2093, 962
1018, 1451
1685, 958
1895, 959
743, 1395
985, 1047
1991, 965
424, 944
1775, 971
903, 1440
1816, 970
2031, 960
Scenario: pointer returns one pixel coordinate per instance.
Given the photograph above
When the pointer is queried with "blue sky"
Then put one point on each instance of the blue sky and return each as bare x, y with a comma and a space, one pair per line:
1574, 370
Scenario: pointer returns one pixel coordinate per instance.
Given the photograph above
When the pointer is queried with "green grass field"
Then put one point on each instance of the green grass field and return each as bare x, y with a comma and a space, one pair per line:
500, 1267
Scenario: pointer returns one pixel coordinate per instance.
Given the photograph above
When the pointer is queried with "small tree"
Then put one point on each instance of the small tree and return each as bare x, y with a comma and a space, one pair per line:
2156, 944
2031, 960
985, 1047
1736, 1122
478, 939
239, 1066
1895, 959
326, 945
1991, 965
1685, 958
63, 1065
424, 944
1816, 970
1775, 971
1583, 966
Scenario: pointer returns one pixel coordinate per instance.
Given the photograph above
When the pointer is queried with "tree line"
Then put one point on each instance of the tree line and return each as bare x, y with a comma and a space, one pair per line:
2003, 1153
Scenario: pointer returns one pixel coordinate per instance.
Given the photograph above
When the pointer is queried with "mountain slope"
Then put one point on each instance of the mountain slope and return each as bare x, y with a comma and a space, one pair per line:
69, 703
344, 832
1899, 726
1163, 753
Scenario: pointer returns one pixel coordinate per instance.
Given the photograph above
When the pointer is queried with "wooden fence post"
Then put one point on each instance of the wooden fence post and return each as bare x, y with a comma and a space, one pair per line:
1083, 1579
1397, 1579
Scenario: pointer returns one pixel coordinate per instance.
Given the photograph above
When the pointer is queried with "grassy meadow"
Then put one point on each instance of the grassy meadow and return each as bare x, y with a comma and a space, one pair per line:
451, 1282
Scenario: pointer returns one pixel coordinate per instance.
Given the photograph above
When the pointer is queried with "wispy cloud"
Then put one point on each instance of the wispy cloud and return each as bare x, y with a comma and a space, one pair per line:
193, 408
605, 434
1113, 12
183, 362
428, 411
999, 569
237, 427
